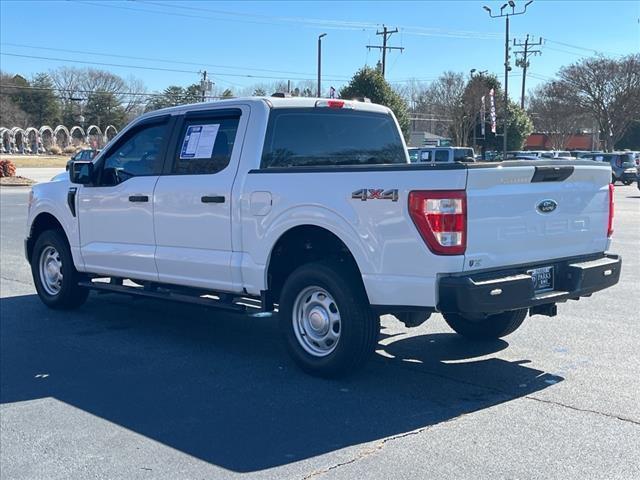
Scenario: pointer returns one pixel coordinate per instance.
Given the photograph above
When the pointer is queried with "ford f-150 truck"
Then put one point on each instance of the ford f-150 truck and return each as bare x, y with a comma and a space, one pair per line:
310, 207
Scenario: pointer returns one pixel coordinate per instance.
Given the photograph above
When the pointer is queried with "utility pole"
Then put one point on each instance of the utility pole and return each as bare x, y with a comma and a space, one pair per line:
507, 67
386, 33
205, 86
524, 61
320, 63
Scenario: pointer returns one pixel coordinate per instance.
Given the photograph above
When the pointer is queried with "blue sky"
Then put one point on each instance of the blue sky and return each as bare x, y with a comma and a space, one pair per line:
278, 39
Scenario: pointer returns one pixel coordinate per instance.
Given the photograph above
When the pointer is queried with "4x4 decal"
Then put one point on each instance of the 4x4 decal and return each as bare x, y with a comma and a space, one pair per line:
375, 194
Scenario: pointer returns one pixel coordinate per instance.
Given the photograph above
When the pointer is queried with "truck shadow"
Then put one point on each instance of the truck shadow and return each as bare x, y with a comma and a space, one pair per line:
221, 388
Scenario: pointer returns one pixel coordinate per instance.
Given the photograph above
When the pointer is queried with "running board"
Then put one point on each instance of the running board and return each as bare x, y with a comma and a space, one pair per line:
166, 294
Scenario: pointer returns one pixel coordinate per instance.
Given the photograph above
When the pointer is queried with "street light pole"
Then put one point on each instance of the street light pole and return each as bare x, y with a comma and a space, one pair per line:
507, 67
506, 88
320, 62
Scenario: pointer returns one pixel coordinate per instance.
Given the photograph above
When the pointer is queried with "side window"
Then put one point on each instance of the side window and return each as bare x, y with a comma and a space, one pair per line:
140, 153
442, 156
205, 145
425, 156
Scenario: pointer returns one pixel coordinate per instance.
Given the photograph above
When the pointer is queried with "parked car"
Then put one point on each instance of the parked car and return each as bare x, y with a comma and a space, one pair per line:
444, 154
414, 154
312, 205
623, 165
583, 153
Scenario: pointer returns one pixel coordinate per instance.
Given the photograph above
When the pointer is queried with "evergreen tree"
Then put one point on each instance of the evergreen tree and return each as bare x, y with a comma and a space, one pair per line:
370, 83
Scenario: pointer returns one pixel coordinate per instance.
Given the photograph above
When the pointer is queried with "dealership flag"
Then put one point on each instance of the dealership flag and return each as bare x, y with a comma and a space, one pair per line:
493, 112
483, 116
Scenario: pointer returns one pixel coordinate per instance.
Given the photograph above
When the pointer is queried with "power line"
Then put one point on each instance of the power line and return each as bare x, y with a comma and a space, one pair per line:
87, 92
299, 21
578, 47
162, 60
87, 62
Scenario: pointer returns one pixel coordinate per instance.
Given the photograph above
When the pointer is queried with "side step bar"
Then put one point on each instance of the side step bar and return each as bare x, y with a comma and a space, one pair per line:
167, 294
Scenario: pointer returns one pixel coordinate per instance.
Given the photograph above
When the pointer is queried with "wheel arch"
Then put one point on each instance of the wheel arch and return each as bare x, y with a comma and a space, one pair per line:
305, 243
42, 222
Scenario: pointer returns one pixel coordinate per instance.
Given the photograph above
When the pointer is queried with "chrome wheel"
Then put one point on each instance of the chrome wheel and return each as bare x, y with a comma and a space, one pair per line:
316, 321
50, 267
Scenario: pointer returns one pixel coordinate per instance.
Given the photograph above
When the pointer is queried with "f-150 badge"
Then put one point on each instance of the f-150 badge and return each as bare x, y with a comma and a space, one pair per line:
375, 194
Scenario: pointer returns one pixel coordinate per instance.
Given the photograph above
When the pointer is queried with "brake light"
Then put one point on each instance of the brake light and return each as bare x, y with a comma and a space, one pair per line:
333, 104
611, 209
441, 219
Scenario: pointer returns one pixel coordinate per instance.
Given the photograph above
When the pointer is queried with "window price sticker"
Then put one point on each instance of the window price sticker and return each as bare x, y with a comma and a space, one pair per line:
199, 141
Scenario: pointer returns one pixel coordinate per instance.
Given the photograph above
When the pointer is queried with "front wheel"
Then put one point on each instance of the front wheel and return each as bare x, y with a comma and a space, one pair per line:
326, 320
627, 182
488, 328
54, 275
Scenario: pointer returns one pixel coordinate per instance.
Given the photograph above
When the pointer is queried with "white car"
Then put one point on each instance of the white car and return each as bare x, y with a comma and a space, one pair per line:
311, 206
442, 154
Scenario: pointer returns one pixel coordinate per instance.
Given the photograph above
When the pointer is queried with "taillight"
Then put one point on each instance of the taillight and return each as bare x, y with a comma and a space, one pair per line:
611, 209
441, 218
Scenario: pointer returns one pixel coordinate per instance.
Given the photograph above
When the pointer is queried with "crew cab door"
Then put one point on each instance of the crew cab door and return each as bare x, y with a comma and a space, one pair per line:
115, 214
193, 201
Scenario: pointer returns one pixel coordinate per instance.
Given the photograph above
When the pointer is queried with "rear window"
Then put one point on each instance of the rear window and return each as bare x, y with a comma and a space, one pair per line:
320, 137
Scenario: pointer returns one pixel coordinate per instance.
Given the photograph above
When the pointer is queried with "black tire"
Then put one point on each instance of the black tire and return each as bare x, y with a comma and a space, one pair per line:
358, 326
490, 328
70, 295
627, 182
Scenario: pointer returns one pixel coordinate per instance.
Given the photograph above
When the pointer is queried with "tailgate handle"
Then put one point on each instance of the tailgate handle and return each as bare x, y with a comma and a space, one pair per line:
551, 174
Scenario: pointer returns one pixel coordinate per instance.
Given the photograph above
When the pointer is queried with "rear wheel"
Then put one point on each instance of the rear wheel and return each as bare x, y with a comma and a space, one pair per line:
326, 320
488, 328
627, 182
54, 275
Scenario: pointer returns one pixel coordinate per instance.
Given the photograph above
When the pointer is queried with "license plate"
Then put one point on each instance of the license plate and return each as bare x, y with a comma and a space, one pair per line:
542, 278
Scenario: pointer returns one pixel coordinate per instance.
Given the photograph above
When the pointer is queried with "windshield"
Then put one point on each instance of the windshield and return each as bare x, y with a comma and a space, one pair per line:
322, 137
627, 160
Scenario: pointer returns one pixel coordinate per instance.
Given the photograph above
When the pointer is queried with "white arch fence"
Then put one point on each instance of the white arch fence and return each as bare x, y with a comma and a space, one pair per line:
32, 140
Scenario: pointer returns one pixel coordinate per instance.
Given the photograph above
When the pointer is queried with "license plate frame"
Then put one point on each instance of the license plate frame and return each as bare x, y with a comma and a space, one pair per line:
542, 278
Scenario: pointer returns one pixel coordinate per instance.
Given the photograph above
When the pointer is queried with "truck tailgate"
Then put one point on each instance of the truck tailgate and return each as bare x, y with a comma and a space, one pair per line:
520, 213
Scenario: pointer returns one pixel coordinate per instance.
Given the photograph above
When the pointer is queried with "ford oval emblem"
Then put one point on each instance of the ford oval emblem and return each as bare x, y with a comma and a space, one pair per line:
547, 206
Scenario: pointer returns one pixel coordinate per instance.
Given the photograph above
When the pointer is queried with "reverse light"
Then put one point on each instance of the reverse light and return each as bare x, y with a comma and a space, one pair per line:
441, 219
611, 210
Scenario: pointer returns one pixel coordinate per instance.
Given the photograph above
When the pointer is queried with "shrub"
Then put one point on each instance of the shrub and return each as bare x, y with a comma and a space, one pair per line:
70, 149
7, 168
55, 150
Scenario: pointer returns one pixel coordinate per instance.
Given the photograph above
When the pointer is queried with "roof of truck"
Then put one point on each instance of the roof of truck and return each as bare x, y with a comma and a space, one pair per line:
272, 102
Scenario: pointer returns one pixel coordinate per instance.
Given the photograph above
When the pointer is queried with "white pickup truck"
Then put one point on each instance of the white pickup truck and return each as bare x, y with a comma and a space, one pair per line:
310, 207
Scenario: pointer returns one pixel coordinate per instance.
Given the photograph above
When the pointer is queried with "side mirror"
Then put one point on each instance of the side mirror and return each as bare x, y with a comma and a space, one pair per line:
81, 172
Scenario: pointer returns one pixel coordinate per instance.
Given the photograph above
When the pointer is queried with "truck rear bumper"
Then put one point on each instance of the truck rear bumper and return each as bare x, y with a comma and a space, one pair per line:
513, 288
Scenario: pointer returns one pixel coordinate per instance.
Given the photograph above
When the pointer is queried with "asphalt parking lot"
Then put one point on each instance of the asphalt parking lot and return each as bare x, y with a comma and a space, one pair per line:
137, 389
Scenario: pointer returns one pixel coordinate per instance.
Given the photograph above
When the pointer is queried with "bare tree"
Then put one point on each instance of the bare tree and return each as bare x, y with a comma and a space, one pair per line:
444, 99
609, 89
556, 113
135, 98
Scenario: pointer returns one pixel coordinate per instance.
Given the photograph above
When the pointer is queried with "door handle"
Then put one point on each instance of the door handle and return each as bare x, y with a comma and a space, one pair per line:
212, 199
138, 198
